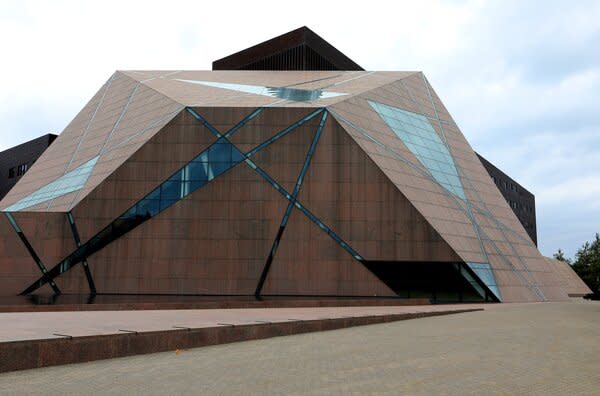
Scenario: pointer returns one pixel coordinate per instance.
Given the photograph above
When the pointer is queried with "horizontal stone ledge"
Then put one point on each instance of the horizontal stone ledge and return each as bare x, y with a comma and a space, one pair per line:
231, 303
22, 355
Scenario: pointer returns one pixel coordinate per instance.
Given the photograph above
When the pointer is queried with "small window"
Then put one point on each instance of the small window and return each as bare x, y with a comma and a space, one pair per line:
11, 173
21, 169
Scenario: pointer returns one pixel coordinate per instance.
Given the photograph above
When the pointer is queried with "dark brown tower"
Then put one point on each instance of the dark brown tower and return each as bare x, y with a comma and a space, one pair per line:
300, 49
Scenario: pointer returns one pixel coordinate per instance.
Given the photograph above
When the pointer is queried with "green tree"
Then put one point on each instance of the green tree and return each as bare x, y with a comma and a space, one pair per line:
560, 255
587, 263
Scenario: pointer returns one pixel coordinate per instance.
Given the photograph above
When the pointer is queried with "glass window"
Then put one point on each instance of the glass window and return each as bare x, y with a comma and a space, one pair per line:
21, 169
196, 184
130, 214
219, 167
220, 152
237, 155
417, 133
202, 157
147, 207
171, 189
213, 161
485, 275
177, 176
197, 171
150, 204
293, 94
69, 182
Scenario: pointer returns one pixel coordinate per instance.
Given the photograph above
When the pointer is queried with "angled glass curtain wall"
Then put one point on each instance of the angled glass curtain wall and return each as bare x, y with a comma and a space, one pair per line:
481, 278
69, 182
486, 275
215, 160
422, 140
293, 94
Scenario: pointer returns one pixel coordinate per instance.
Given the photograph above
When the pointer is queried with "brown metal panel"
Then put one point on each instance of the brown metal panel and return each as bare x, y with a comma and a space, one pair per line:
308, 262
268, 123
349, 193
50, 238
283, 159
569, 280
176, 144
215, 241
16, 265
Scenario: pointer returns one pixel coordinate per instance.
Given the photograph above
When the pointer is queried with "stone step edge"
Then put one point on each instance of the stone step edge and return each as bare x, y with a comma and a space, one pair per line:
28, 354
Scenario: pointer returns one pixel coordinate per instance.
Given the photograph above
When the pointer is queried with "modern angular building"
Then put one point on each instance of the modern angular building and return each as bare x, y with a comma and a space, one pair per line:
267, 183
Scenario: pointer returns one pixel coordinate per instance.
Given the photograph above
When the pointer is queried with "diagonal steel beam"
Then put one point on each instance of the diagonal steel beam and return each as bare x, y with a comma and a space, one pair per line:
122, 225
117, 228
84, 262
288, 210
32, 252
280, 188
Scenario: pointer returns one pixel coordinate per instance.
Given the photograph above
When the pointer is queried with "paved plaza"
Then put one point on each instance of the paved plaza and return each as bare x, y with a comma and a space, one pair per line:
544, 348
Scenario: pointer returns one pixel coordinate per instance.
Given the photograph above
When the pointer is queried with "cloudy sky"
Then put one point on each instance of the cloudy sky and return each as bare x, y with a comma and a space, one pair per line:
522, 79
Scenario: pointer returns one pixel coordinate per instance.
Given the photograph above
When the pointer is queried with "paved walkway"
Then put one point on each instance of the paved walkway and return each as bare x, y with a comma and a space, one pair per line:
46, 325
546, 348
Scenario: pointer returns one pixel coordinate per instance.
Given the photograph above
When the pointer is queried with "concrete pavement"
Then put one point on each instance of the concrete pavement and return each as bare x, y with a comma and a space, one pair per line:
545, 348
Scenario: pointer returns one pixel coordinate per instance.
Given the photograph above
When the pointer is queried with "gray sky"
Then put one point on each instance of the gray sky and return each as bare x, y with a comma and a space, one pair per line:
521, 79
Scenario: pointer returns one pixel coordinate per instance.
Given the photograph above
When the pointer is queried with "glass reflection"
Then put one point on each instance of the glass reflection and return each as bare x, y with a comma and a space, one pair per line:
293, 94
215, 160
422, 140
69, 182
485, 274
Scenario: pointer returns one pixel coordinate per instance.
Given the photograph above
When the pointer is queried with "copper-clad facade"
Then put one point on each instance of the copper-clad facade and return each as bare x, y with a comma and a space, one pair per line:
311, 183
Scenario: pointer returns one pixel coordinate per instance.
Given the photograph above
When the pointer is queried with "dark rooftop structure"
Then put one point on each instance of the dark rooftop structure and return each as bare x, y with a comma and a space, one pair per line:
300, 49
15, 161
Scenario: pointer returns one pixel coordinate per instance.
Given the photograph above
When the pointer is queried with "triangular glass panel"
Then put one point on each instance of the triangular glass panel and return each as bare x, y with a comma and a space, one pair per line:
293, 94
69, 182
422, 140
213, 161
485, 275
